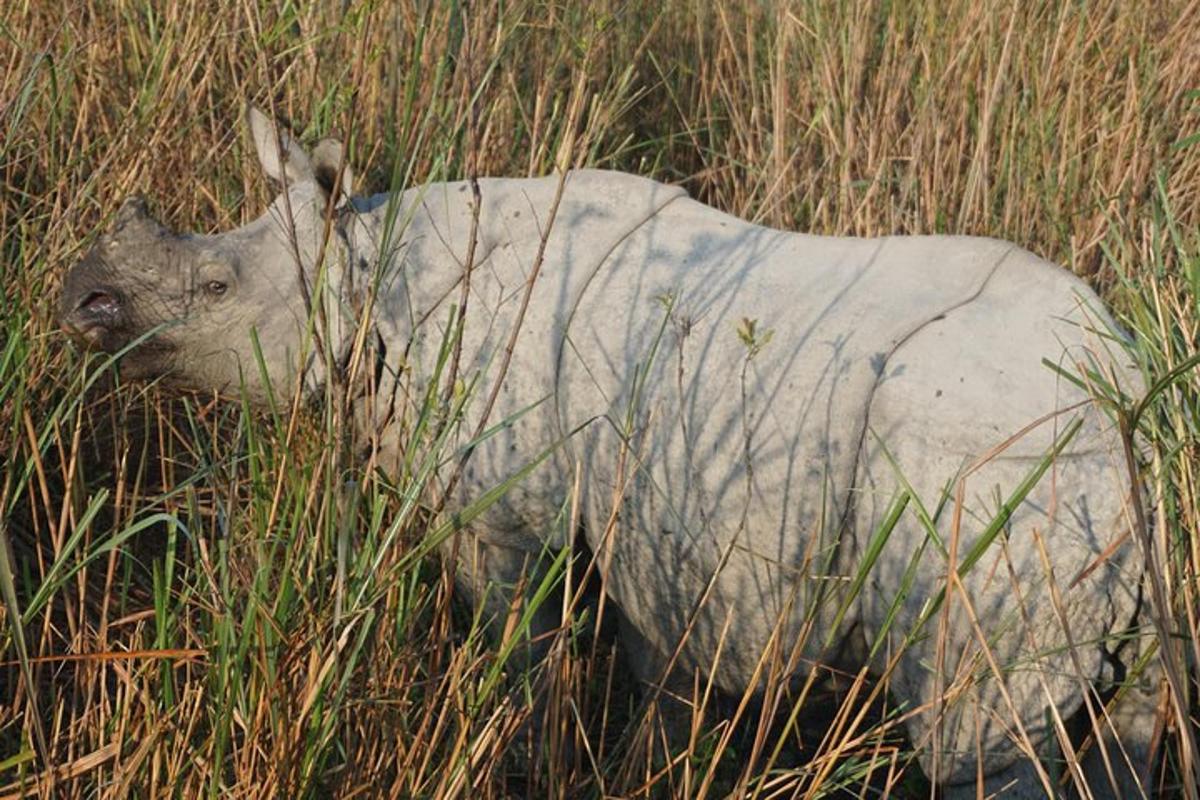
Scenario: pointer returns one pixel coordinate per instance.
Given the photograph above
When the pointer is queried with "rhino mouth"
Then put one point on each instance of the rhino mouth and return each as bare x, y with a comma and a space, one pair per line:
100, 302
98, 322
93, 320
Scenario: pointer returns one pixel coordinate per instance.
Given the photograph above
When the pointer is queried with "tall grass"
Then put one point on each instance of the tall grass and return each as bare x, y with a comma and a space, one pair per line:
202, 599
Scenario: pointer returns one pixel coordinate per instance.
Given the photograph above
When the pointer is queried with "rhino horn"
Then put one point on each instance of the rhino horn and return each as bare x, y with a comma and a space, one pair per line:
132, 210
133, 216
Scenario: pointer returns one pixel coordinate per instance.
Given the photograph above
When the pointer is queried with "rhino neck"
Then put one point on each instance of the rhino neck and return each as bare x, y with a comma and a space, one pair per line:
391, 276
338, 299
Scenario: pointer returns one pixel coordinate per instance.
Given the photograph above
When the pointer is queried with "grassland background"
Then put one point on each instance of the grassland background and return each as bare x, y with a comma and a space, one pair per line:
287, 662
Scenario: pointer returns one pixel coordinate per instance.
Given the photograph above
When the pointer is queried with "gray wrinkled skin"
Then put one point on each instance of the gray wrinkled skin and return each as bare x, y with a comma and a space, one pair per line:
758, 474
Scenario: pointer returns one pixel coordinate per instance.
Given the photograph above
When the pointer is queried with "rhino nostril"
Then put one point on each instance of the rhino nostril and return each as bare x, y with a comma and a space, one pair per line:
99, 302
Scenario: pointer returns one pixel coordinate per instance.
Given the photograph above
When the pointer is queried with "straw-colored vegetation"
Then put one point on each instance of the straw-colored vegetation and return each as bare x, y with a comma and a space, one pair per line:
202, 600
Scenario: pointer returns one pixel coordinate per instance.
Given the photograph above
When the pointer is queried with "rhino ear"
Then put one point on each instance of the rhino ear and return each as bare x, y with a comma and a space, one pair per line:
282, 158
332, 170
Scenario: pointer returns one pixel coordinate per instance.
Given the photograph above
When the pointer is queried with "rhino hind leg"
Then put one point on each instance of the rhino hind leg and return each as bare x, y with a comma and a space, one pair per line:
1120, 760
1116, 765
1019, 781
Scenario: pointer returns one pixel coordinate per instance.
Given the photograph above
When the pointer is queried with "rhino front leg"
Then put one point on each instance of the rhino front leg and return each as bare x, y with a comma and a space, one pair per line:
503, 579
667, 711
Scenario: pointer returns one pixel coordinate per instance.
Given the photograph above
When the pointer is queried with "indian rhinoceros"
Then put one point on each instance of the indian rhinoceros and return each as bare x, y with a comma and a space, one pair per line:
743, 410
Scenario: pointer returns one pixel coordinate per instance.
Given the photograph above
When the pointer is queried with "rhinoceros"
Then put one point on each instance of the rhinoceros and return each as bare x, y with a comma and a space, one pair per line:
864, 450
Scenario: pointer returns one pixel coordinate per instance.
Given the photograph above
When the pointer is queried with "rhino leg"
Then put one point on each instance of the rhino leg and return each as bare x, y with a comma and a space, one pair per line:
491, 573
1119, 764
1019, 781
667, 713
1116, 767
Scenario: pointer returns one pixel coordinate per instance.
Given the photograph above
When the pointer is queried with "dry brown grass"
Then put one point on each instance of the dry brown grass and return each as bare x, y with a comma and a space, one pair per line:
207, 656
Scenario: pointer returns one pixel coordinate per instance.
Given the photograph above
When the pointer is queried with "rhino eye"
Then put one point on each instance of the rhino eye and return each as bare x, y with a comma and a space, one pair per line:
216, 288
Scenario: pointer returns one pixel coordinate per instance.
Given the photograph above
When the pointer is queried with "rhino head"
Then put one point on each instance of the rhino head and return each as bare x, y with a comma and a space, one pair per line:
187, 307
